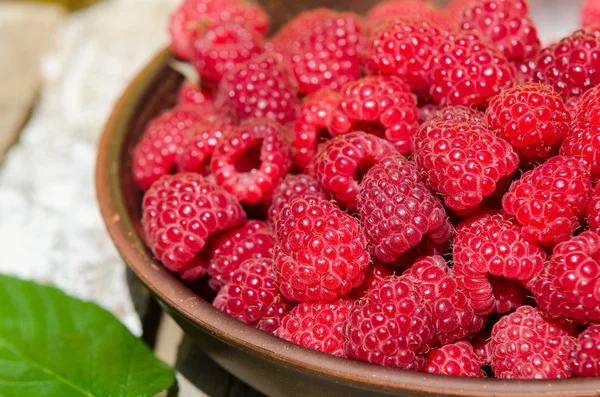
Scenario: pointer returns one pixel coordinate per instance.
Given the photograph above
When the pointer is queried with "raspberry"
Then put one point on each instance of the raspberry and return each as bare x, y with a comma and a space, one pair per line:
459, 114
391, 326
311, 125
404, 48
466, 71
464, 162
385, 11
293, 187
590, 13
427, 112
425, 248
524, 70
252, 160
224, 47
505, 24
569, 286
508, 294
251, 292
260, 87
180, 212
380, 105
532, 118
550, 200
396, 210
190, 94
453, 315
525, 344
456, 359
583, 144
373, 276
317, 325
320, 252
482, 347
587, 107
489, 245
274, 316
199, 143
585, 359
155, 153
193, 14
593, 210
342, 161
571, 66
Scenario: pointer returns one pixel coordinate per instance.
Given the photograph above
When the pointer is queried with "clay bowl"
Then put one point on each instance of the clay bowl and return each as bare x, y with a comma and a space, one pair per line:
271, 365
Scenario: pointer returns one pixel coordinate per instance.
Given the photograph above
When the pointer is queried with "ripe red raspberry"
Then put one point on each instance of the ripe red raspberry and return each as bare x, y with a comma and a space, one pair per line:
199, 143
194, 14
593, 210
456, 359
155, 153
590, 13
293, 187
550, 200
488, 245
252, 160
585, 358
342, 161
391, 326
251, 292
508, 294
260, 87
320, 252
571, 66
190, 94
404, 48
379, 105
180, 212
459, 114
224, 47
453, 315
311, 125
386, 11
274, 316
583, 144
569, 286
397, 210
524, 70
527, 345
317, 325
373, 276
482, 347
587, 107
467, 71
505, 24
464, 162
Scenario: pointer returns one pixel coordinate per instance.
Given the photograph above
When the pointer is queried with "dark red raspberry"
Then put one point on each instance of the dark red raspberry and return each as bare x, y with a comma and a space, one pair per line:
311, 125
505, 24
404, 48
155, 153
293, 187
464, 162
379, 105
459, 114
190, 94
527, 345
342, 161
491, 245
593, 211
467, 71
373, 276
456, 359
260, 87
509, 294
391, 326
252, 160
388, 10
482, 347
571, 66
320, 252
590, 13
396, 210
251, 292
222, 48
317, 325
200, 142
585, 358
569, 286
550, 200
180, 212
453, 315
583, 144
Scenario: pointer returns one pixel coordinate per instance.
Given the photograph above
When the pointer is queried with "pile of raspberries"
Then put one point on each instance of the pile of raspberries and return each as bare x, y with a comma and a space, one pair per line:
414, 188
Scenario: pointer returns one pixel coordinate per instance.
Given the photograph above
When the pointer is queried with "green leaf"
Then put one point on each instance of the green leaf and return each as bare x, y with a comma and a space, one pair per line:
55, 345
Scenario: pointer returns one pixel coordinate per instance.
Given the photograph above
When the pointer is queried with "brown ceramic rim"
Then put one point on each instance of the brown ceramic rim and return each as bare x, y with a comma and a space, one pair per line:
179, 298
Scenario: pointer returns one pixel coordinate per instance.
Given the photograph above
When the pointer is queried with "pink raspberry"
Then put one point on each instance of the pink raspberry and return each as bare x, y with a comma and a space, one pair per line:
180, 212
583, 144
527, 345
373, 276
317, 325
293, 187
342, 161
457, 359
509, 294
593, 211
590, 13
252, 160
200, 142
585, 358
569, 286
396, 210
320, 252
385, 11
379, 105
190, 94
391, 326
550, 200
